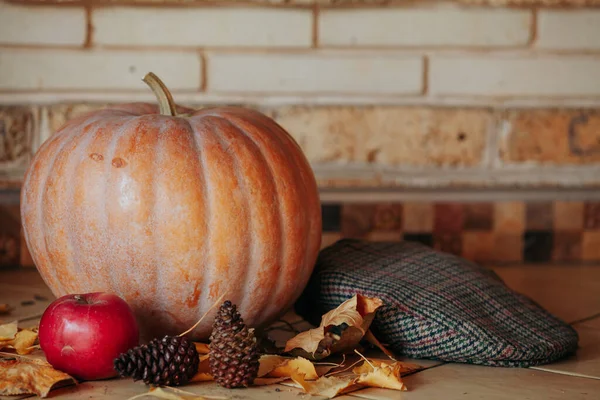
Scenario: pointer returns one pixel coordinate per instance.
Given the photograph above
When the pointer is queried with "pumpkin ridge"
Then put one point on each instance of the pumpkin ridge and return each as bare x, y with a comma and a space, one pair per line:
76, 159
40, 189
110, 154
310, 192
283, 249
279, 135
197, 126
44, 188
201, 173
252, 225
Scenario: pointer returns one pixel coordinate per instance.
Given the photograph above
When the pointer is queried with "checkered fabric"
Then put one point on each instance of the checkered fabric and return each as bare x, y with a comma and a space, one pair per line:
436, 305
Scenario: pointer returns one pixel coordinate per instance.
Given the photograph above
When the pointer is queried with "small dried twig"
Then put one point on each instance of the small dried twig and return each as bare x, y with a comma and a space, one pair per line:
365, 358
205, 314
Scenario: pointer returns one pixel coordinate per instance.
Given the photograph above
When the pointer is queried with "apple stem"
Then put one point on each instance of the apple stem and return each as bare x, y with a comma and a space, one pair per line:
166, 104
80, 299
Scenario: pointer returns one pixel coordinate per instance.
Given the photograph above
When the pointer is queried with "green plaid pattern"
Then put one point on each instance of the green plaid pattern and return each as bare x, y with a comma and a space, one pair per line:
436, 305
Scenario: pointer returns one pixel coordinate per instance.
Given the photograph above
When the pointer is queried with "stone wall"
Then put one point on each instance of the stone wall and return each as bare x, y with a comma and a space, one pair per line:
464, 99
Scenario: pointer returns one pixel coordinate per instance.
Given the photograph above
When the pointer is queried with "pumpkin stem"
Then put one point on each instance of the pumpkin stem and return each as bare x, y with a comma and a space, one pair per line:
166, 103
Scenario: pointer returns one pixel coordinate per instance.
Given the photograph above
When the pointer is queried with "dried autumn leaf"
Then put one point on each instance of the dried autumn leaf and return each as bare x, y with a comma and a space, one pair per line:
400, 368
340, 331
23, 342
380, 374
203, 374
274, 366
329, 387
169, 393
8, 331
28, 376
202, 348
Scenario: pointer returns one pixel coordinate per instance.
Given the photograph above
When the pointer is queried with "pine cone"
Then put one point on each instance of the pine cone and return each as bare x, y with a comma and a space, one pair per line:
170, 361
234, 355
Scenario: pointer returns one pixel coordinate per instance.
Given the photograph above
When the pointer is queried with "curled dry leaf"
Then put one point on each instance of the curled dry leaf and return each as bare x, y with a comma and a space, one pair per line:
329, 387
8, 331
340, 331
169, 393
202, 348
23, 342
27, 376
380, 374
273, 366
203, 374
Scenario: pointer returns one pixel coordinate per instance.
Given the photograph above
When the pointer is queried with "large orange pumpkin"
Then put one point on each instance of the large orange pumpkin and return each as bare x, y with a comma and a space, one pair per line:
172, 209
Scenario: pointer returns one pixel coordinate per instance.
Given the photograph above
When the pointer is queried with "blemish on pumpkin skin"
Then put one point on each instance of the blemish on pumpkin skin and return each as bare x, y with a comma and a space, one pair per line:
118, 162
192, 301
96, 157
214, 290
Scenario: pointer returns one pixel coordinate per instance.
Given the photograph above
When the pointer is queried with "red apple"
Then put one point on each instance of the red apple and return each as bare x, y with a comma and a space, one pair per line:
82, 334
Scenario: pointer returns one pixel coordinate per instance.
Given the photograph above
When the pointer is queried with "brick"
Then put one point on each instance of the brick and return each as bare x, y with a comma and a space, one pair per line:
538, 216
479, 216
388, 135
106, 70
514, 76
478, 246
426, 26
387, 217
509, 217
59, 114
217, 26
507, 247
315, 73
550, 136
568, 216
567, 246
21, 24
17, 133
357, 220
418, 217
590, 246
449, 218
572, 29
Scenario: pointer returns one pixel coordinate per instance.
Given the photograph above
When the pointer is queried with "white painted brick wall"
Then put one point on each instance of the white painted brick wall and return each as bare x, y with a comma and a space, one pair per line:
569, 29
487, 75
203, 26
315, 73
89, 70
41, 25
427, 26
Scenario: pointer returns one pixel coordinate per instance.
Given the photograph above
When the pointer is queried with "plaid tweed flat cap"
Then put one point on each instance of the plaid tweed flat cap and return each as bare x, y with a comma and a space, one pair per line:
436, 305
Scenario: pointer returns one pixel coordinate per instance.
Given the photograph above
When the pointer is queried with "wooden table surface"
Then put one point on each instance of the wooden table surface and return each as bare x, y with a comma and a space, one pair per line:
570, 292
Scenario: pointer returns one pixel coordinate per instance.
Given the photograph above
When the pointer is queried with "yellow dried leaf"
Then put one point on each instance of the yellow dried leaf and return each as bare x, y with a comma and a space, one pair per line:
28, 376
400, 368
298, 365
203, 374
8, 331
380, 374
22, 343
169, 393
329, 387
268, 362
202, 348
340, 330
